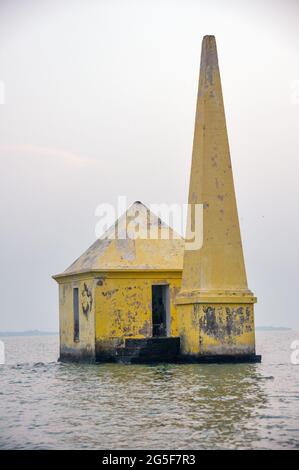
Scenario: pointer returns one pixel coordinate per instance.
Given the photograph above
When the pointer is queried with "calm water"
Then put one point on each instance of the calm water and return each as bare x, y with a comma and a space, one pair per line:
46, 405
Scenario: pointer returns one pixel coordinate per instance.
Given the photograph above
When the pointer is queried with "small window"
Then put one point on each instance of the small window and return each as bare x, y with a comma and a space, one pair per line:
76, 313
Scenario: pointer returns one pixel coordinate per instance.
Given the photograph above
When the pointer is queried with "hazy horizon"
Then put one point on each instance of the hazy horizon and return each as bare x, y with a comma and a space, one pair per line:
43, 333
99, 101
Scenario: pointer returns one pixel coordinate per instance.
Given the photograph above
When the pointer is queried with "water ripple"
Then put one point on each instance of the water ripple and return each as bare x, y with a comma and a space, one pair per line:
47, 405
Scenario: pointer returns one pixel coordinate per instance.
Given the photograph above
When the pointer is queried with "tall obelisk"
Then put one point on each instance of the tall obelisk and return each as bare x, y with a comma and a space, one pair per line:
215, 306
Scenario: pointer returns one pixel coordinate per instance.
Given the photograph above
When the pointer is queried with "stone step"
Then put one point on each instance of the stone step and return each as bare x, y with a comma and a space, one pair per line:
159, 342
147, 350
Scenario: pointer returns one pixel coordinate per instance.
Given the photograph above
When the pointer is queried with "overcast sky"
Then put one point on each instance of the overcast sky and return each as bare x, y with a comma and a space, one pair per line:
100, 101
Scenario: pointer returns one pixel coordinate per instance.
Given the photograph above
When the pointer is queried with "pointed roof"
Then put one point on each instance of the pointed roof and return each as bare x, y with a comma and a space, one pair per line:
127, 246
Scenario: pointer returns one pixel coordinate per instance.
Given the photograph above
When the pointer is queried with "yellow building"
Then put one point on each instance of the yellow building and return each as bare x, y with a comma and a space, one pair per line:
117, 300
145, 298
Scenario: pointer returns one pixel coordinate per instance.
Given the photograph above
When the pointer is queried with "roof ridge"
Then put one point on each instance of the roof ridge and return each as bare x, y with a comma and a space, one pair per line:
121, 249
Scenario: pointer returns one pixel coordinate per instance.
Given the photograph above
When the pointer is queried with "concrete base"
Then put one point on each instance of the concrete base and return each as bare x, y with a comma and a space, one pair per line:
76, 355
126, 359
77, 359
155, 350
217, 359
220, 359
167, 350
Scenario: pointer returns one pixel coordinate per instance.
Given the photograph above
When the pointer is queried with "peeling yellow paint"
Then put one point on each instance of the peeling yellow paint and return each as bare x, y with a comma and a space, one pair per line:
119, 275
121, 308
124, 306
215, 306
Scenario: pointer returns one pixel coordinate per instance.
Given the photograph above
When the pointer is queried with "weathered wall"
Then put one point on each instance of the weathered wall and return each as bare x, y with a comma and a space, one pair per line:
215, 306
123, 307
216, 329
84, 348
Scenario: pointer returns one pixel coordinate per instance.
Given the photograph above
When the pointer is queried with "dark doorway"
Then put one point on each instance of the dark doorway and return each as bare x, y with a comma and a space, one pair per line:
160, 310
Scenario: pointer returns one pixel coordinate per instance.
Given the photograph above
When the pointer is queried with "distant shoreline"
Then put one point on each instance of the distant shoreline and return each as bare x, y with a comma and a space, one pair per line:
56, 333
272, 328
28, 333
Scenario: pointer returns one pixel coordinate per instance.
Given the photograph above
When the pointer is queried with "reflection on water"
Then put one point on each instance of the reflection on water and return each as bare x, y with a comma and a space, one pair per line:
44, 404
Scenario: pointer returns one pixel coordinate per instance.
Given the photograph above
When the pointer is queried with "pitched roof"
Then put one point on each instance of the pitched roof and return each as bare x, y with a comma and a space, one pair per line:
126, 252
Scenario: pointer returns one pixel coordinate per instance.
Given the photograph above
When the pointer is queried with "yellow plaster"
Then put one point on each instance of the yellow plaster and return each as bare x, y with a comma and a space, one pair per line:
214, 283
86, 344
124, 305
